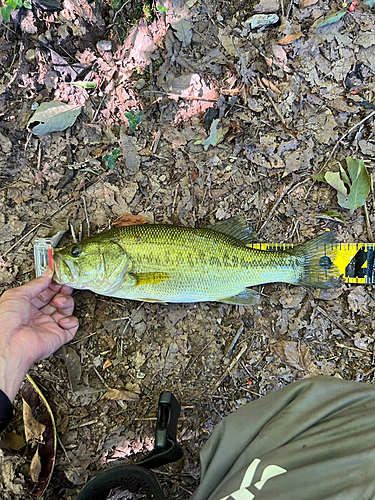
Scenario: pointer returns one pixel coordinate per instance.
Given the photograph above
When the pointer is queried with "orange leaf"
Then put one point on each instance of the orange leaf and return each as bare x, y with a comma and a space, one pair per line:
99, 151
307, 3
118, 395
128, 220
107, 364
287, 39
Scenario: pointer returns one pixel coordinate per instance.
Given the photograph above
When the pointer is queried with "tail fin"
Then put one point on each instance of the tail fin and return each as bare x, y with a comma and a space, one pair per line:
318, 268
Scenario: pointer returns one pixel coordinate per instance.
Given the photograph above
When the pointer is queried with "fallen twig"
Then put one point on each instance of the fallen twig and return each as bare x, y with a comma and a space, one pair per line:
352, 348
289, 186
230, 368
235, 340
86, 214
35, 228
196, 357
368, 225
177, 96
339, 325
343, 137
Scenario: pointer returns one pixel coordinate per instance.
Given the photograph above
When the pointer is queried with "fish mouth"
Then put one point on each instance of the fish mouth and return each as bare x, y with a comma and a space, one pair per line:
64, 271
57, 269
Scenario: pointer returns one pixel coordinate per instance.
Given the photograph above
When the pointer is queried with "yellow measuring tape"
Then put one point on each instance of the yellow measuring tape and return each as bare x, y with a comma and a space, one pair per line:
355, 261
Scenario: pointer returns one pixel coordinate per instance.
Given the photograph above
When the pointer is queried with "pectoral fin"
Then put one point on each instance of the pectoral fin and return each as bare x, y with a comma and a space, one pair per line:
149, 278
245, 298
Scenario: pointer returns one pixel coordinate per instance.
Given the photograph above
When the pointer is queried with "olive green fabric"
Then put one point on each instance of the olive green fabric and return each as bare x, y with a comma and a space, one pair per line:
314, 439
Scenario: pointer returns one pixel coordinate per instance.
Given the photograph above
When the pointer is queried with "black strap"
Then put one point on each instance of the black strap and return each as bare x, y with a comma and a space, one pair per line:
157, 458
128, 477
137, 476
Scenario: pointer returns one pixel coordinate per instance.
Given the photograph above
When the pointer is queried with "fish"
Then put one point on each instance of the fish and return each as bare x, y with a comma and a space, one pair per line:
168, 263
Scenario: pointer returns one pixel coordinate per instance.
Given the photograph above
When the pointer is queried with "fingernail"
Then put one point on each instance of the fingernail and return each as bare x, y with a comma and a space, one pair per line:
48, 273
62, 300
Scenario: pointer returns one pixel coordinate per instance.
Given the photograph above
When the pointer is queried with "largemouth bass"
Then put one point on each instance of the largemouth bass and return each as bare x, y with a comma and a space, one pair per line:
165, 263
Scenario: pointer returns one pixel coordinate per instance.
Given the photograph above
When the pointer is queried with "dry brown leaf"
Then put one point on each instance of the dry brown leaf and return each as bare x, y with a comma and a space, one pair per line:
35, 467
21, 192
36, 404
294, 353
287, 39
128, 220
107, 364
14, 441
82, 8
99, 151
307, 3
175, 137
140, 44
145, 152
33, 429
118, 395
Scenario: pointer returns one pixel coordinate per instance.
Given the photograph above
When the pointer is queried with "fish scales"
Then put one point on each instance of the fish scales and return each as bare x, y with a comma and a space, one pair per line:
214, 264
181, 264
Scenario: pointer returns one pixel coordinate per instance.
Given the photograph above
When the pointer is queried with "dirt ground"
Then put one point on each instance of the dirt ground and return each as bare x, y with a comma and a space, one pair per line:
272, 104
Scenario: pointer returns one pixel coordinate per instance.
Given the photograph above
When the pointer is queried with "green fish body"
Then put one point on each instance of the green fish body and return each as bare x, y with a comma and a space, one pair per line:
165, 263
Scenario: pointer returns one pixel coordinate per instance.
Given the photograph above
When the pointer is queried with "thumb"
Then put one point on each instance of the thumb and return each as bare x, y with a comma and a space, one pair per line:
37, 286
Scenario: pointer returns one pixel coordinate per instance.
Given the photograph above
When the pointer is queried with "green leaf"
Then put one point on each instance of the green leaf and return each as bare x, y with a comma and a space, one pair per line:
361, 183
334, 180
332, 19
129, 116
344, 176
85, 85
216, 135
332, 215
111, 163
27, 5
354, 167
319, 177
342, 200
5, 12
116, 153
53, 116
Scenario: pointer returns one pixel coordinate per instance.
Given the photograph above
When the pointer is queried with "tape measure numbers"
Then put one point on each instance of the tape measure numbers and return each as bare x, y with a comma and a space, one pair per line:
355, 261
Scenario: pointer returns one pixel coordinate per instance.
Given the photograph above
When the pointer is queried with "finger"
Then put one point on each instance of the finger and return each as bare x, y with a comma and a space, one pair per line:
70, 323
60, 314
58, 335
35, 287
62, 301
67, 290
64, 304
46, 296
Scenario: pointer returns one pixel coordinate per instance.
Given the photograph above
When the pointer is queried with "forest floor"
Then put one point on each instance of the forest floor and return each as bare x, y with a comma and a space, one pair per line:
273, 105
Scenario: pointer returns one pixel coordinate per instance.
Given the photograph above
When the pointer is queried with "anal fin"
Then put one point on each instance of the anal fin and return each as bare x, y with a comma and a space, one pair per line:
245, 298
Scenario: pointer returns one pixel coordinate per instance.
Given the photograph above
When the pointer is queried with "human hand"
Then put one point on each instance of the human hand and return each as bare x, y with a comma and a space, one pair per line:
35, 320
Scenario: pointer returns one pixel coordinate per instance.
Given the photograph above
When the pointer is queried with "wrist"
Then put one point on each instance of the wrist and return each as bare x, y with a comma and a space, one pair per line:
12, 375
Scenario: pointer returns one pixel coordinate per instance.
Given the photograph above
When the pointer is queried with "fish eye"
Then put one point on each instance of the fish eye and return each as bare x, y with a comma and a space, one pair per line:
75, 251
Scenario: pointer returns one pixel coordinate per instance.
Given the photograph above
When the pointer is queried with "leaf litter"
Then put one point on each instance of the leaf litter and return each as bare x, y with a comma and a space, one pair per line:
236, 119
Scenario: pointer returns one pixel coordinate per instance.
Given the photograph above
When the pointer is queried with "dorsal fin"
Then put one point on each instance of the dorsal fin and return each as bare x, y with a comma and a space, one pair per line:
236, 227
